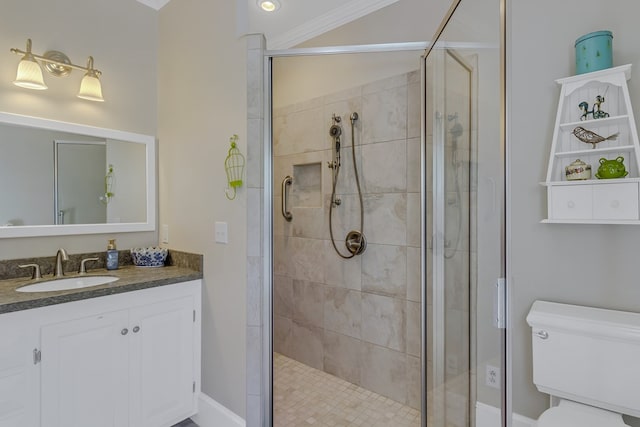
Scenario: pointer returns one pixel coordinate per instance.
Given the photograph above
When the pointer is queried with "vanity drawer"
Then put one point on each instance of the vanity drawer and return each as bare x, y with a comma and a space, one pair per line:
615, 201
596, 201
572, 202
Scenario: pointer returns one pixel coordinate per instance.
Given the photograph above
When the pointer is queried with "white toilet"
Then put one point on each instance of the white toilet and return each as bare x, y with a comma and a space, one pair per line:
588, 360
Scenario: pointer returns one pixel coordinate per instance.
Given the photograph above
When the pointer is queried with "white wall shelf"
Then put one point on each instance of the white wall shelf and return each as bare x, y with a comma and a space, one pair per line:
594, 201
595, 151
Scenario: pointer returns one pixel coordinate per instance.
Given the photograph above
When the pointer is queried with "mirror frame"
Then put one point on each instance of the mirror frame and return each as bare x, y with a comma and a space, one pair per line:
73, 229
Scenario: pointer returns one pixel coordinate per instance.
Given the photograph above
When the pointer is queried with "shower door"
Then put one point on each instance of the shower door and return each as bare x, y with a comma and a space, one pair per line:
79, 169
465, 352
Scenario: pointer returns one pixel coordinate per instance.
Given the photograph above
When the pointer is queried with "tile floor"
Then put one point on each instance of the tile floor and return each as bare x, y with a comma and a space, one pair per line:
305, 396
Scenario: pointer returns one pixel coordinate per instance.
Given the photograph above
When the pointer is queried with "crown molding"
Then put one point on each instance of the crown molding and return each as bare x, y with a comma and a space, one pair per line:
326, 22
154, 4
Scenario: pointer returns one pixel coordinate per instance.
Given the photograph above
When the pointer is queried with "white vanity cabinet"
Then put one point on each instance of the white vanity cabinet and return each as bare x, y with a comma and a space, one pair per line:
131, 359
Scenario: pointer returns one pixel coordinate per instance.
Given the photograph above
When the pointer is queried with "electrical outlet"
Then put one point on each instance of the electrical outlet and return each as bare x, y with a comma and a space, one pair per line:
492, 376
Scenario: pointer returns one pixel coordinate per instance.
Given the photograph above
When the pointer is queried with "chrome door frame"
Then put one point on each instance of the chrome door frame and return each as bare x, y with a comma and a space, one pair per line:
267, 309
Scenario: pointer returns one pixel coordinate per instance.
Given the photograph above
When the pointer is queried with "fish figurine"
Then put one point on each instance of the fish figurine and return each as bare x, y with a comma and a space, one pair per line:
589, 137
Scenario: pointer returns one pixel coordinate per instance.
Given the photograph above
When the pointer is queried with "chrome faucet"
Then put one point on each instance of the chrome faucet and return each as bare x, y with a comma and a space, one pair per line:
61, 256
83, 267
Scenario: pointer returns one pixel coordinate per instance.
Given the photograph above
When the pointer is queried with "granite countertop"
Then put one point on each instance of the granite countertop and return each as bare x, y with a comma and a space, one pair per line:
130, 278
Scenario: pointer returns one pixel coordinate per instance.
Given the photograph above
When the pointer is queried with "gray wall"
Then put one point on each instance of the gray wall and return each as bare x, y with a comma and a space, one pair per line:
202, 90
121, 35
601, 267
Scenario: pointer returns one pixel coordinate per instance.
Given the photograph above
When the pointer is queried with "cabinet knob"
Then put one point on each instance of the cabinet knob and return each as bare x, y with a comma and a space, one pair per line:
615, 204
571, 204
136, 329
124, 331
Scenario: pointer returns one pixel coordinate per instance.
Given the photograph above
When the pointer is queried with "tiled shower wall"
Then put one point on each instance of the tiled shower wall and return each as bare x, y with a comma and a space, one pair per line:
358, 319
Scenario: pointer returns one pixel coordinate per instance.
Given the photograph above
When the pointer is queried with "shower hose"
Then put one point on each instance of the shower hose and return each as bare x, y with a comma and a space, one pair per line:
357, 246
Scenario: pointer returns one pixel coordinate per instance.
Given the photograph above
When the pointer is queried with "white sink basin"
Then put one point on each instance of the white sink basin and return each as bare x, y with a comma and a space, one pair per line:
68, 283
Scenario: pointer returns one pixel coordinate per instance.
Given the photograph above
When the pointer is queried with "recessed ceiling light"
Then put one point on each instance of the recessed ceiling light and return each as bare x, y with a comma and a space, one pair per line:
269, 5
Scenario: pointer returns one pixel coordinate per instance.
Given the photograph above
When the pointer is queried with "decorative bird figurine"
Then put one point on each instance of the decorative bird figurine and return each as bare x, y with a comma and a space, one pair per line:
589, 137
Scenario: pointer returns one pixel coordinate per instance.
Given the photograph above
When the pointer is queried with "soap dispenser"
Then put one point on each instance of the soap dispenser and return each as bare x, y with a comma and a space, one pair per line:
112, 255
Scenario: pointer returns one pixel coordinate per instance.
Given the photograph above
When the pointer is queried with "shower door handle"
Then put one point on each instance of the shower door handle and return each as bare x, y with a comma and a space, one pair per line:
286, 182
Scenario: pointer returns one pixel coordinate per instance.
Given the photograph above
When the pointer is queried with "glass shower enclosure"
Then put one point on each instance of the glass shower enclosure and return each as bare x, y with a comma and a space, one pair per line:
410, 319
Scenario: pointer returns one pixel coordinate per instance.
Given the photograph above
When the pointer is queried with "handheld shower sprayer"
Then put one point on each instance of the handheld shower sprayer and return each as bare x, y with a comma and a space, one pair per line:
355, 241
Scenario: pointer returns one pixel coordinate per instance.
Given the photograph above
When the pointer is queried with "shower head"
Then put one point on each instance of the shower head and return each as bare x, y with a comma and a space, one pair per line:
457, 130
353, 117
335, 131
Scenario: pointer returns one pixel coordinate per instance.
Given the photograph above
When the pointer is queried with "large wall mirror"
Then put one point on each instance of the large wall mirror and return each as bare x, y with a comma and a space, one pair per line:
59, 178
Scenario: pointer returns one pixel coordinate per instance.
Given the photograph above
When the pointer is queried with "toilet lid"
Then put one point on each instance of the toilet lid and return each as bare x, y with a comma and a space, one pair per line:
572, 414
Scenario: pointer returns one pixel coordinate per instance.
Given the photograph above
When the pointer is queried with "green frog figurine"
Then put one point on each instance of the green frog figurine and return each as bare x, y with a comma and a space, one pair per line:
611, 168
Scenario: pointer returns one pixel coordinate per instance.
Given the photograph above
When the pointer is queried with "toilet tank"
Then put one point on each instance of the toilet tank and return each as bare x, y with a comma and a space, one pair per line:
588, 355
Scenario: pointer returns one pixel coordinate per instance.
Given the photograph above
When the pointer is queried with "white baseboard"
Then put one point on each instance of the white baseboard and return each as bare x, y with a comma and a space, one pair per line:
212, 414
490, 416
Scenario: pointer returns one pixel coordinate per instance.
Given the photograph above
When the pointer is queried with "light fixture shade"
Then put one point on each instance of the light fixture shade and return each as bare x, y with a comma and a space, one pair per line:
29, 74
90, 87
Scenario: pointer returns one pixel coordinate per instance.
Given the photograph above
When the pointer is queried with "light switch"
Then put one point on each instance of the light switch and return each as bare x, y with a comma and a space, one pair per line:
222, 233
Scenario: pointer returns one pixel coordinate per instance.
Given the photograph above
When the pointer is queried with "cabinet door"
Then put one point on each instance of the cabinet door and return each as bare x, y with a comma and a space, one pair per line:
84, 372
162, 362
18, 373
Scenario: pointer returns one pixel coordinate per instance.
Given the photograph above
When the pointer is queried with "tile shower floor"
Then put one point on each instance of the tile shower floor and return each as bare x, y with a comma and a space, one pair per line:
304, 396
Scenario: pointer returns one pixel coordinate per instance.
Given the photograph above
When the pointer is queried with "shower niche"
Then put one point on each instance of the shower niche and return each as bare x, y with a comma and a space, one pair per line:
306, 191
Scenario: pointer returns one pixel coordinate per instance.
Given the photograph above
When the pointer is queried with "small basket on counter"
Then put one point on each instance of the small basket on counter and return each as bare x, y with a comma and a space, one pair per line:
149, 257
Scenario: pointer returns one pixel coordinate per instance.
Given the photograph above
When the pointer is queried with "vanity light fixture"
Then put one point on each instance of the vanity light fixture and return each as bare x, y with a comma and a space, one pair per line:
29, 74
269, 5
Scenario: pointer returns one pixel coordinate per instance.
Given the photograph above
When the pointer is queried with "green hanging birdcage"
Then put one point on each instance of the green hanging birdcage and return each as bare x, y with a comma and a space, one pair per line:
234, 167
